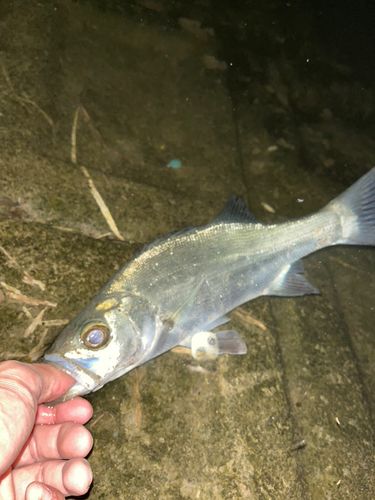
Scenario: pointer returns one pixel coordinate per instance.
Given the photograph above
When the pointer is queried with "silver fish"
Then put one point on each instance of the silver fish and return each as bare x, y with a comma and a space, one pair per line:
185, 283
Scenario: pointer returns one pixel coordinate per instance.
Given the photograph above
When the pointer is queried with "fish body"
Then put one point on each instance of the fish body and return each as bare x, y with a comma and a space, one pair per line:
179, 288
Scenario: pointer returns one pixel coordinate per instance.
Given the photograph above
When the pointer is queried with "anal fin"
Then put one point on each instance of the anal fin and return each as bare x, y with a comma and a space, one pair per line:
291, 283
216, 343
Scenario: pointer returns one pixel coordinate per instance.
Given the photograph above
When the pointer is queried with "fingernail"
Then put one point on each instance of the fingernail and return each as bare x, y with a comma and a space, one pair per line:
38, 491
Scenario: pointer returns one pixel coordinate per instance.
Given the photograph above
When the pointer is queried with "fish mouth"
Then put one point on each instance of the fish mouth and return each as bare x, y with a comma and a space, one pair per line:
86, 381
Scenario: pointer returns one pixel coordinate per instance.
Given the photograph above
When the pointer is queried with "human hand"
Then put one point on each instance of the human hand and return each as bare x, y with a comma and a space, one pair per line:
40, 461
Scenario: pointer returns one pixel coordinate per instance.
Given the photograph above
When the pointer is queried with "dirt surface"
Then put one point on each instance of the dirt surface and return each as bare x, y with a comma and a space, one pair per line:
149, 83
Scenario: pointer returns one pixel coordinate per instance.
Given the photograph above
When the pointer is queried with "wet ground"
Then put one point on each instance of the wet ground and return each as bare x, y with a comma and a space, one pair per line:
250, 102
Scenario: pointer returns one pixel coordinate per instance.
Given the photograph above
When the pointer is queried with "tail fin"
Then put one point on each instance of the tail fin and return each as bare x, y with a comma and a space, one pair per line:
356, 208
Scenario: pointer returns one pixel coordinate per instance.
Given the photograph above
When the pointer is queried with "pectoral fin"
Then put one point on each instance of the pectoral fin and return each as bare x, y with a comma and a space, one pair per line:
166, 339
184, 307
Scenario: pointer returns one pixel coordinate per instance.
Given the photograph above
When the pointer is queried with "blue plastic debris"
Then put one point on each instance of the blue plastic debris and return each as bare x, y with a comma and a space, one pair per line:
174, 163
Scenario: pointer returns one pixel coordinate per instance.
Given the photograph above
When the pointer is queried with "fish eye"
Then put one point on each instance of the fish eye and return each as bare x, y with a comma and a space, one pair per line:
95, 336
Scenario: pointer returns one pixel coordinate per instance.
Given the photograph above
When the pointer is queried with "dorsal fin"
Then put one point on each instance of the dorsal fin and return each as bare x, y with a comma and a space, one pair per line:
162, 239
235, 210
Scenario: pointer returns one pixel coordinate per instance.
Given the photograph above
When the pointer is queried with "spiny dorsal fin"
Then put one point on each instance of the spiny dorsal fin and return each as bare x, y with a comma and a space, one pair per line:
235, 210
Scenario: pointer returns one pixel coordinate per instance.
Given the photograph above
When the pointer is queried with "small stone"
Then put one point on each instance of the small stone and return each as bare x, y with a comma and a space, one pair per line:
175, 163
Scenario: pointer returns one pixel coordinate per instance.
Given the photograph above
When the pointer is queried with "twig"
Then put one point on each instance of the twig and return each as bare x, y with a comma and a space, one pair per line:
29, 101
27, 312
267, 207
298, 446
67, 229
25, 99
196, 369
55, 322
13, 293
12, 355
247, 318
103, 207
104, 235
299, 403
29, 280
136, 399
96, 420
345, 264
37, 351
35, 322
10, 288
73, 155
99, 417
181, 350
8, 80
92, 128
29, 300
99, 200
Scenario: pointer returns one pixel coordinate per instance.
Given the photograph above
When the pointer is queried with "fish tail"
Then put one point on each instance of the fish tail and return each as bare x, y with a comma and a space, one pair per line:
356, 208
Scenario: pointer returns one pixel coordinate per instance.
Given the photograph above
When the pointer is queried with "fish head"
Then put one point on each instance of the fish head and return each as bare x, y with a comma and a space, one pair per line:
107, 339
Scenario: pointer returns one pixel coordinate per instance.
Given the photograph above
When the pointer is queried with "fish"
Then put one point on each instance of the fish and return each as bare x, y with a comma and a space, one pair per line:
177, 290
